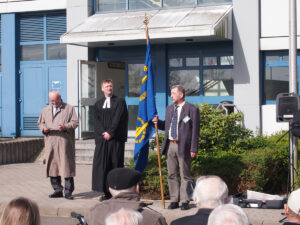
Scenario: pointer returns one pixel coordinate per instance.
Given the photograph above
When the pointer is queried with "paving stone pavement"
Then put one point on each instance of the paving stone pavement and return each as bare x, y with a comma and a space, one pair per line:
29, 180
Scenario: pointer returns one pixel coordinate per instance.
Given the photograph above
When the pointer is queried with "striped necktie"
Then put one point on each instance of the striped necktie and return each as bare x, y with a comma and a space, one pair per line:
174, 123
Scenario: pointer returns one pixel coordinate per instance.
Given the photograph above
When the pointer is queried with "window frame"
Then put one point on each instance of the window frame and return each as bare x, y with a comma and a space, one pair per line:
196, 3
44, 42
201, 97
265, 64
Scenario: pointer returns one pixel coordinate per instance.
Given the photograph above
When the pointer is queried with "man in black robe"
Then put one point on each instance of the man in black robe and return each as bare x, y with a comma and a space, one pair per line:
111, 124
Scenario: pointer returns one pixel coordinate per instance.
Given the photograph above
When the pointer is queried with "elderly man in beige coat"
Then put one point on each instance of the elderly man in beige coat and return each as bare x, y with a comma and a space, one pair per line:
58, 122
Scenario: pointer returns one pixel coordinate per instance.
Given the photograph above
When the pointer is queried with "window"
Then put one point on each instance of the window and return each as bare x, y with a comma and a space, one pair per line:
202, 2
56, 51
189, 79
178, 3
276, 76
31, 52
125, 5
214, 77
135, 72
39, 36
144, 4
218, 82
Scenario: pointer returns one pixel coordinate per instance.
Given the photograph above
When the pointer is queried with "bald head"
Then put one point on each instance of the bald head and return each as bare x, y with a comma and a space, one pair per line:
54, 97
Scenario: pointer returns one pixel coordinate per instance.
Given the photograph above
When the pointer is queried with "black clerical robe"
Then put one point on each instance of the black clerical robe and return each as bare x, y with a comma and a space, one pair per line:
108, 154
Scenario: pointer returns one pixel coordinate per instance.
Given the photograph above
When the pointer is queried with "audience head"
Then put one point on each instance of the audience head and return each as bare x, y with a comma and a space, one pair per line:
292, 208
210, 192
124, 217
123, 180
228, 214
21, 211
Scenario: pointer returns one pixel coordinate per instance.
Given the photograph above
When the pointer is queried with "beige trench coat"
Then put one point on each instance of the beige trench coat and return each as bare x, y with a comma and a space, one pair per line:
59, 145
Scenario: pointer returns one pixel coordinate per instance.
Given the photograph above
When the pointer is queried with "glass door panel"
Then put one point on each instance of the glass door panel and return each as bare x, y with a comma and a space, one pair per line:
88, 97
135, 73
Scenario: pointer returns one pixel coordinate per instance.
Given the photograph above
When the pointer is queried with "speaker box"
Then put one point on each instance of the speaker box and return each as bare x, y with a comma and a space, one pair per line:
286, 106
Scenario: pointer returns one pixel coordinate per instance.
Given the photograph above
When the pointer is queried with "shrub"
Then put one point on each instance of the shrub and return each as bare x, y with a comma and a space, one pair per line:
150, 182
229, 150
219, 131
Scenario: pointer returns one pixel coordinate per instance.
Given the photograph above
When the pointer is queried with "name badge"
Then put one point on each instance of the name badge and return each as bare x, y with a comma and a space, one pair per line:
186, 119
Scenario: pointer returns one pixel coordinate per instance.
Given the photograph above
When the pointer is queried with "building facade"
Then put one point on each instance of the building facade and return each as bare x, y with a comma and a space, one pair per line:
219, 50
32, 62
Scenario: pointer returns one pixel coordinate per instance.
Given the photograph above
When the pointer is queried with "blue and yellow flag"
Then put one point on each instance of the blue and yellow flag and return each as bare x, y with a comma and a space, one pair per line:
147, 110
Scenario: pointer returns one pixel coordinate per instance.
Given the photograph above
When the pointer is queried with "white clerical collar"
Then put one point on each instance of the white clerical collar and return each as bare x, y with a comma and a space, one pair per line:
106, 103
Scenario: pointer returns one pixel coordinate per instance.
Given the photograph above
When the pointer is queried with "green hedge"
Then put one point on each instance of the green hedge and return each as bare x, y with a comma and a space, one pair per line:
227, 149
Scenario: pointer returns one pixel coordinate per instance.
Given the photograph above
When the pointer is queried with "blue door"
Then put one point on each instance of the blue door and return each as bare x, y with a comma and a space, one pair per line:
42, 64
36, 81
57, 79
33, 98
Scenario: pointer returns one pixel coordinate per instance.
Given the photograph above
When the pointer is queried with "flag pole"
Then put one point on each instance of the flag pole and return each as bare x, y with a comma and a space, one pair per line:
156, 132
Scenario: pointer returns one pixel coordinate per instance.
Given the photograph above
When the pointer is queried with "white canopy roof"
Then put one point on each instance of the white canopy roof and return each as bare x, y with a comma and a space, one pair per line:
165, 26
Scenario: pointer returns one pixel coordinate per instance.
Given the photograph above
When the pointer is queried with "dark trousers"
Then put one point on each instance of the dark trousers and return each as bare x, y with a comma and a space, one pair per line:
56, 184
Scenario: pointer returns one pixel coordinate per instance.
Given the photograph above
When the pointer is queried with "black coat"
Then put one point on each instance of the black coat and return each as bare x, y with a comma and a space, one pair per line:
118, 128
200, 218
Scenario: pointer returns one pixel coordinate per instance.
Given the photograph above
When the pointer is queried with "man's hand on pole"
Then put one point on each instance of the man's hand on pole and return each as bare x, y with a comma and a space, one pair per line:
155, 119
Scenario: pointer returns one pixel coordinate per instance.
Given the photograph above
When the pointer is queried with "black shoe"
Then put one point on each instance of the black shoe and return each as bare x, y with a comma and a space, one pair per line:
173, 205
185, 206
69, 196
103, 198
56, 195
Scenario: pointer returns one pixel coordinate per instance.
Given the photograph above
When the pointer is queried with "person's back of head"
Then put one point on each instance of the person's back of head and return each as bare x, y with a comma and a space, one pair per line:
292, 208
124, 217
228, 214
210, 192
123, 180
21, 211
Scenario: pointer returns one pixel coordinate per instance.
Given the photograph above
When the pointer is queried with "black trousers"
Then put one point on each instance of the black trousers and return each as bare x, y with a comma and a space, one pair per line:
56, 184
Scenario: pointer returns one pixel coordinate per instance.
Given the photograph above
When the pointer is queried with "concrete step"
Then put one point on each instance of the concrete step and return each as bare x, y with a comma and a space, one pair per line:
84, 151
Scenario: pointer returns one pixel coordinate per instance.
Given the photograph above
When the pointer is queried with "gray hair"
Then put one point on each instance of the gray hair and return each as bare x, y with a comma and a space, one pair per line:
179, 88
228, 214
210, 192
124, 217
55, 93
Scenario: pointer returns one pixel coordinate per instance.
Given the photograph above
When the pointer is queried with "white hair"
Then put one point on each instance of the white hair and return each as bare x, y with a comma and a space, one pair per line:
124, 217
228, 214
210, 192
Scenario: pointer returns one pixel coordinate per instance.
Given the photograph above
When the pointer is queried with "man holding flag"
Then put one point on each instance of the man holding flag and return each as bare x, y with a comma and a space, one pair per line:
180, 145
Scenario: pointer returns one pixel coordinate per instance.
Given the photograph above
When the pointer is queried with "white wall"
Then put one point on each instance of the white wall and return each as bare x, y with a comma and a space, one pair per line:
275, 24
77, 12
246, 61
9, 6
269, 124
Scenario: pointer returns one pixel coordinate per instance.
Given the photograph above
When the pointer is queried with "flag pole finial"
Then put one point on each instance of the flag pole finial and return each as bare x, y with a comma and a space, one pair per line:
146, 22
